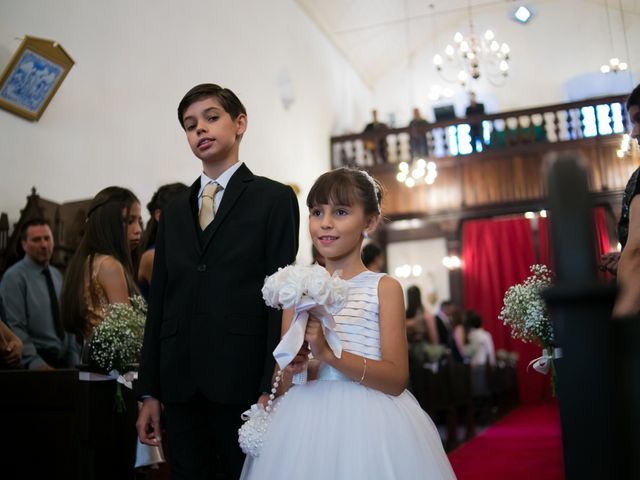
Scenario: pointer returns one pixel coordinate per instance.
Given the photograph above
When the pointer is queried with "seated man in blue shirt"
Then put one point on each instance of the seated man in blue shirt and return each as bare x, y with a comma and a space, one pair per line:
30, 291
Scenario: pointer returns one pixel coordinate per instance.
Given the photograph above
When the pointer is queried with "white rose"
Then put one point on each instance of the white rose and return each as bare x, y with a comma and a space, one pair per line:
289, 294
271, 288
339, 293
318, 286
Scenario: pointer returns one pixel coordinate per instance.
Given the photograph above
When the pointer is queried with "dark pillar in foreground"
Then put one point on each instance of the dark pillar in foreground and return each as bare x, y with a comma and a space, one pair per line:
599, 374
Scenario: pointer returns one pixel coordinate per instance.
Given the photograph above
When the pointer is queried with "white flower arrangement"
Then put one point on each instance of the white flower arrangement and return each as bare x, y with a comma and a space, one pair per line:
287, 287
524, 310
305, 288
116, 342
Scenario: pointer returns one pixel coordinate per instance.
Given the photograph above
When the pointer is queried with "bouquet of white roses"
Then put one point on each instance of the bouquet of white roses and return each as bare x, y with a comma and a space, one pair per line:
287, 287
116, 342
308, 289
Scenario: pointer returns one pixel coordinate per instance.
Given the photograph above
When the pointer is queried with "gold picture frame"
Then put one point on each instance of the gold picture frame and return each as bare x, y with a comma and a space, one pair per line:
33, 76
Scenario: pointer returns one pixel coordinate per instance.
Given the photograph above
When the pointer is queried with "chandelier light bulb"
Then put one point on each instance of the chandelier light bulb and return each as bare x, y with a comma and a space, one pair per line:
504, 66
622, 66
473, 56
431, 166
421, 164
403, 167
401, 177
437, 59
614, 62
605, 69
410, 182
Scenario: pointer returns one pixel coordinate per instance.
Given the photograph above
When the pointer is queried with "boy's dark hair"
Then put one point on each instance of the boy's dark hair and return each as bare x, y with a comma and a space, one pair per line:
34, 222
347, 186
227, 99
634, 98
369, 253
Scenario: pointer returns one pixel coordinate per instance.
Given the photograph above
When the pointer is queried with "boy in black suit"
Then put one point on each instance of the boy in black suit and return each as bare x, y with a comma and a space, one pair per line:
209, 337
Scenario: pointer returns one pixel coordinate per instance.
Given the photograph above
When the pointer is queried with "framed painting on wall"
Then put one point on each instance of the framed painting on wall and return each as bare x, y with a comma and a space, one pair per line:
32, 77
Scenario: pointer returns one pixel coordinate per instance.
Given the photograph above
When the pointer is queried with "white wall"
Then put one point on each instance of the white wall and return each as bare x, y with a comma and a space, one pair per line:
114, 119
434, 277
566, 39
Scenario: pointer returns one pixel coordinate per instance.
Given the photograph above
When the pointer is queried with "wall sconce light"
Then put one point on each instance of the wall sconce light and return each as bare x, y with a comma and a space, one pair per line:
452, 262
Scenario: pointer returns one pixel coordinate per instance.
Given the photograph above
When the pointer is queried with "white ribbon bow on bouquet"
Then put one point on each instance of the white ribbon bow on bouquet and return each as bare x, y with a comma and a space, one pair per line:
542, 364
307, 289
292, 341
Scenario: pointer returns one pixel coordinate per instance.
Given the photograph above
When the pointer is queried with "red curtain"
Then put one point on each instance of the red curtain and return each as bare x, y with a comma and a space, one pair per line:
601, 240
544, 243
497, 254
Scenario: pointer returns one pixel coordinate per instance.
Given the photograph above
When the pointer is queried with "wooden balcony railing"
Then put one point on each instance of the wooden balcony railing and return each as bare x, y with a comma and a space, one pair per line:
565, 122
507, 175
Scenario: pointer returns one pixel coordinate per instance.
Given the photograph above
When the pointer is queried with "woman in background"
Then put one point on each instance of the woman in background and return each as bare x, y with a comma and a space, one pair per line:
420, 324
158, 202
100, 272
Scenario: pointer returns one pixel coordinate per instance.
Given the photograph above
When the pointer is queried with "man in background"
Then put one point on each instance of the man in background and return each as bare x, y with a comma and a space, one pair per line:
30, 292
475, 128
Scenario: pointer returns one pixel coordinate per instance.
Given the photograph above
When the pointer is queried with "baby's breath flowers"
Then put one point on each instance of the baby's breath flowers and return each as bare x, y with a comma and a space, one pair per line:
116, 342
524, 310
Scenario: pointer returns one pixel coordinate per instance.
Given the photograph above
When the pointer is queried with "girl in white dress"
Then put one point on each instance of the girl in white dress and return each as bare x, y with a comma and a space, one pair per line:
354, 419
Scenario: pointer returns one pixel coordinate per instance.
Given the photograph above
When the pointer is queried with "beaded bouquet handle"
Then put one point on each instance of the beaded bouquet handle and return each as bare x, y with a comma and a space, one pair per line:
256, 422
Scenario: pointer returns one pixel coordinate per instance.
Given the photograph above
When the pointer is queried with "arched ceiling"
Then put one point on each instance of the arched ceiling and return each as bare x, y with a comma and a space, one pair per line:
378, 35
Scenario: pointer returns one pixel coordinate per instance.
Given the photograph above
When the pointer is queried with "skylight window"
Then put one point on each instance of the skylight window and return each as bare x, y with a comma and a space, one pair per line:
522, 14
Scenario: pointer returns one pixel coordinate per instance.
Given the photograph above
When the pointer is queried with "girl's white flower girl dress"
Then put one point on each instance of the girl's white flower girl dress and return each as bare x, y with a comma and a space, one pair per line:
333, 428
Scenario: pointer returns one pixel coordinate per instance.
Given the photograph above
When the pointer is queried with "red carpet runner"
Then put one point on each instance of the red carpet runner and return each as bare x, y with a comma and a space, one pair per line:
525, 445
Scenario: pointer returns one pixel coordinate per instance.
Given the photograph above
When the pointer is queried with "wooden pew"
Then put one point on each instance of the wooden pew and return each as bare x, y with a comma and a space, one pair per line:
55, 426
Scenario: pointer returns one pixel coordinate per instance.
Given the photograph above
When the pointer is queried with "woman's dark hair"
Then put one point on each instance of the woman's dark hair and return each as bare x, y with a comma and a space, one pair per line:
159, 201
414, 301
105, 233
369, 253
634, 98
347, 186
227, 99
473, 319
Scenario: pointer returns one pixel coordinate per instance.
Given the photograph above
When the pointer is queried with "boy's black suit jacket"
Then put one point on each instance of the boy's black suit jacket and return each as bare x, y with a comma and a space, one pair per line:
208, 328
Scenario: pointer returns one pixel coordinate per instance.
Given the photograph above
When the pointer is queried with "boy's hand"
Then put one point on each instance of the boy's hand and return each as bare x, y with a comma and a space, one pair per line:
148, 424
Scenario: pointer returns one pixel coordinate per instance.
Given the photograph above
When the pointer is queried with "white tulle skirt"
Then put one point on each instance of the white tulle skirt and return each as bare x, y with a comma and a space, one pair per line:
335, 430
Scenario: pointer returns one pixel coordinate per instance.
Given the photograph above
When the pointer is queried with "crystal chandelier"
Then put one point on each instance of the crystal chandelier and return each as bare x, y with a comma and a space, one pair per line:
419, 170
474, 56
614, 65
